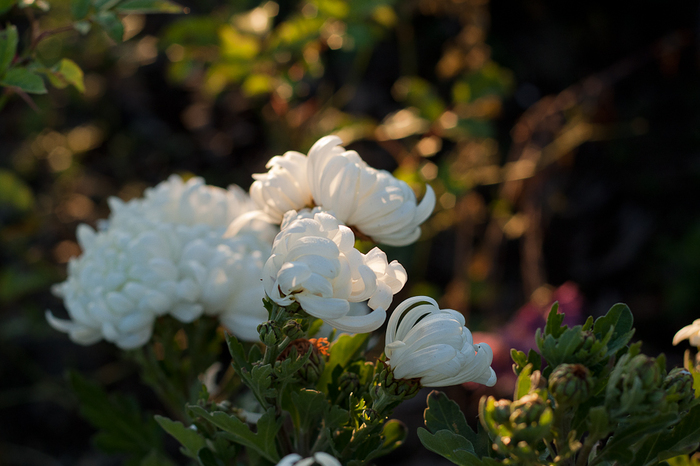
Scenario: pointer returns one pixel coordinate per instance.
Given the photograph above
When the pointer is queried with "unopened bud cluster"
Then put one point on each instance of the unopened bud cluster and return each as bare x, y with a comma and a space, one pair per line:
571, 384
518, 427
635, 387
678, 386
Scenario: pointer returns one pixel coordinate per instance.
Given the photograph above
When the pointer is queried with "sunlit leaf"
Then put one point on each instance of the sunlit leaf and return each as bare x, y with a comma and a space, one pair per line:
235, 45
65, 73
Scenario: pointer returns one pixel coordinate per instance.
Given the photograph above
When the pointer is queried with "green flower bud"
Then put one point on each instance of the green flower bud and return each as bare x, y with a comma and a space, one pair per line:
571, 384
501, 412
293, 330
270, 333
678, 386
635, 387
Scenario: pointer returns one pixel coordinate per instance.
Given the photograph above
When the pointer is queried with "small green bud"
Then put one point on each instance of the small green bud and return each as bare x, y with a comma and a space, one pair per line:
293, 330
571, 384
270, 333
501, 412
678, 386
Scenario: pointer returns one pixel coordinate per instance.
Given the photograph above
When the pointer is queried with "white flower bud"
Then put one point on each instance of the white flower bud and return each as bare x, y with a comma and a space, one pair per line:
426, 342
314, 262
167, 253
690, 332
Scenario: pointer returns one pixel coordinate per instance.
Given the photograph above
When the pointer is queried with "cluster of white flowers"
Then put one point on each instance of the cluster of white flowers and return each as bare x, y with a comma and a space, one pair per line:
426, 342
185, 249
314, 262
374, 202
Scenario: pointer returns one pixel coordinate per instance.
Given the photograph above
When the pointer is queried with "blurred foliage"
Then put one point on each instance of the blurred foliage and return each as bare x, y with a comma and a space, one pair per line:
561, 147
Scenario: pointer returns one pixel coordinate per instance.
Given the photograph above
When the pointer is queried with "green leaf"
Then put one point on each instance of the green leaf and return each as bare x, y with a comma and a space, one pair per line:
122, 426
149, 6
207, 458
5, 5
444, 414
24, 79
111, 24
394, 433
235, 348
451, 446
343, 351
555, 320
79, 8
598, 422
67, 72
15, 193
309, 407
263, 441
620, 318
683, 439
524, 383
104, 4
190, 440
8, 47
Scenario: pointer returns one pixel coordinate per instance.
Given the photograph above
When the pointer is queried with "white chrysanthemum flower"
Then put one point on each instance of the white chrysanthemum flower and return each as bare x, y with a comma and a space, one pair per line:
426, 342
314, 262
690, 332
283, 187
153, 258
320, 459
372, 201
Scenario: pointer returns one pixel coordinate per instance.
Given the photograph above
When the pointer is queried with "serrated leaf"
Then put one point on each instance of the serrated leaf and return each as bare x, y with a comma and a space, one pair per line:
67, 72
149, 6
343, 351
111, 24
260, 380
24, 79
8, 47
451, 446
263, 441
5, 5
554, 323
190, 440
122, 427
79, 8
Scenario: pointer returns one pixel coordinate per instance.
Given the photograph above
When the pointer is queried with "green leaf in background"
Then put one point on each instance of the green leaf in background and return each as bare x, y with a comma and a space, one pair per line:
24, 79
149, 6
454, 447
14, 192
67, 72
8, 47
122, 426
111, 24
263, 441
104, 5
79, 8
191, 441
5, 5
